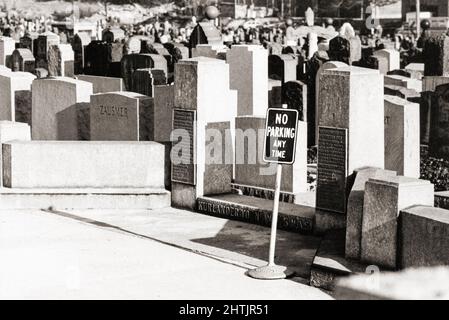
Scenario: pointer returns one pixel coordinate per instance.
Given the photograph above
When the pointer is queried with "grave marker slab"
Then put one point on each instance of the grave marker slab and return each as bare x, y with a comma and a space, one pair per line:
248, 67
23, 60
46, 105
402, 142
384, 199
103, 84
61, 60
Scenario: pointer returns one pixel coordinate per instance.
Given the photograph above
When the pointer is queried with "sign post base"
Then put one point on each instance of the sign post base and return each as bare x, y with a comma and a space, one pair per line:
270, 272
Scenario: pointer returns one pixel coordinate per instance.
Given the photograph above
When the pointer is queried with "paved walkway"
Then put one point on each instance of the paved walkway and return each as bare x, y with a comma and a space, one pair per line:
125, 255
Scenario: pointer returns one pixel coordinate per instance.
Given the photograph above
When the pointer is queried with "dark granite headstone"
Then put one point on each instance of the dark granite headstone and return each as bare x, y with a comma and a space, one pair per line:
144, 80
132, 62
439, 123
436, 55
294, 95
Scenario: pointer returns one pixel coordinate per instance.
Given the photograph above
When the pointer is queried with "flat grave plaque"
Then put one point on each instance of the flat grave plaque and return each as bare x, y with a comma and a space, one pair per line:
185, 171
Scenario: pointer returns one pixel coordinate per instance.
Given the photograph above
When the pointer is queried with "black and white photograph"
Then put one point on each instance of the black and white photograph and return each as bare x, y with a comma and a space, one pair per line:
225, 155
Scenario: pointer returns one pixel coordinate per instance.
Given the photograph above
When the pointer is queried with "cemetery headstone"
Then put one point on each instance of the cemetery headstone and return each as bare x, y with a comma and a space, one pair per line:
103, 84
248, 68
402, 142
7, 46
344, 132
47, 107
144, 80
79, 43
204, 106
61, 60
23, 60
384, 199
132, 62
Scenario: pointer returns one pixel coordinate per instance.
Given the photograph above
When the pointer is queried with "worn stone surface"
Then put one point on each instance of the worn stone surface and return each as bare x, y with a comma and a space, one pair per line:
436, 55
163, 112
54, 95
347, 50
282, 67
121, 116
10, 84
389, 60
402, 141
144, 80
248, 68
424, 237
294, 95
103, 84
61, 60
355, 208
83, 164
384, 199
132, 62
439, 123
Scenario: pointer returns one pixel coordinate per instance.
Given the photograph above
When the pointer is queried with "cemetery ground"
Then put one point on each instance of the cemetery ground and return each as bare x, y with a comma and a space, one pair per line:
144, 254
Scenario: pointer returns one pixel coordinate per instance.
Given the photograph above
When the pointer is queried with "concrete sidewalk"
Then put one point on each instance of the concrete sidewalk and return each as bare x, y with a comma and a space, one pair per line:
105, 255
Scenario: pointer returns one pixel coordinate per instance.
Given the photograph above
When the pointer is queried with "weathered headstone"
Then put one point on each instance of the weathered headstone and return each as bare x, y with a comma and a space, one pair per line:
405, 82
351, 114
144, 80
41, 47
294, 95
206, 33
389, 60
79, 43
103, 84
248, 68
384, 199
121, 116
439, 123
54, 107
355, 208
113, 34
98, 60
132, 62
282, 67
436, 55
61, 60
209, 51
402, 142
7, 46
15, 92
204, 106
23, 60
345, 50
274, 93
423, 237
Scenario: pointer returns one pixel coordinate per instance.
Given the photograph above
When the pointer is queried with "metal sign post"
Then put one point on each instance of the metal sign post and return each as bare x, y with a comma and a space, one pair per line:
280, 145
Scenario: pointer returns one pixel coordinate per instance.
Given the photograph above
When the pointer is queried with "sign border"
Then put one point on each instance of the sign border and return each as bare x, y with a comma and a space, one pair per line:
296, 136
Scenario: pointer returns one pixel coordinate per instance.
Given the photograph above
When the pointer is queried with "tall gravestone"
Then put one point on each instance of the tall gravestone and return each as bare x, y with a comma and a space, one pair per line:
324, 66
248, 68
79, 43
205, 33
388, 59
144, 80
55, 106
61, 60
439, 123
282, 67
351, 131
402, 143
23, 60
436, 55
347, 50
204, 106
7, 46
41, 47
100, 61
15, 92
132, 62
